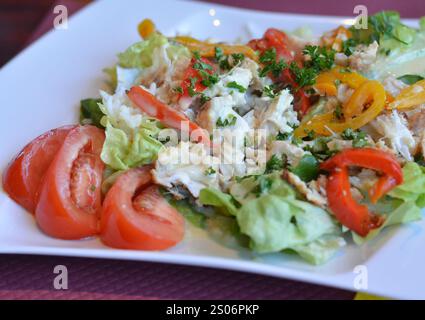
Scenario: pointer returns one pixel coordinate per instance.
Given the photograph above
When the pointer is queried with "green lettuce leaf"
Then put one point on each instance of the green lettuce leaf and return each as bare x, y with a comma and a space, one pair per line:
386, 28
320, 250
90, 112
189, 211
414, 183
307, 169
276, 223
268, 212
141, 54
222, 201
121, 151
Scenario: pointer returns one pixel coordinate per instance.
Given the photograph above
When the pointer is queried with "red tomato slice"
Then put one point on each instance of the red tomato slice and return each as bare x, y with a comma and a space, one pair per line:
22, 178
192, 73
142, 221
164, 113
281, 42
69, 199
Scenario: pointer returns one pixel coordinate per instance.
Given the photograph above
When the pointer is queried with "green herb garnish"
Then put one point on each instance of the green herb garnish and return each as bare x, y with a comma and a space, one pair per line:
229, 121
235, 85
410, 78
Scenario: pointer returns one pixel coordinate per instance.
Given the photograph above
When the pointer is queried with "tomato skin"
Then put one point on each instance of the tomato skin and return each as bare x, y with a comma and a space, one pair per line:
23, 176
170, 117
191, 72
146, 222
57, 212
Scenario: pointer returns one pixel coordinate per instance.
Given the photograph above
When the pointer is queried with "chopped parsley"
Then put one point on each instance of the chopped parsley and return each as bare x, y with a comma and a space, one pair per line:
319, 148
270, 91
348, 46
338, 112
204, 98
229, 121
321, 58
283, 136
275, 163
237, 58
235, 85
224, 61
358, 137
209, 79
196, 55
268, 58
210, 171
178, 89
199, 65
303, 76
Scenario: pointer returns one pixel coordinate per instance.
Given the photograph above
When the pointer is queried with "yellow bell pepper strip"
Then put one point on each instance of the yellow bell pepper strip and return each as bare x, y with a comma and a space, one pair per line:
371, 92
146, 28
335, 38
326, 81
207, 50
410, 97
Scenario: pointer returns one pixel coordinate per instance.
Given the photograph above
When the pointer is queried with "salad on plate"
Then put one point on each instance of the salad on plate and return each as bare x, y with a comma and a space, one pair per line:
288, 143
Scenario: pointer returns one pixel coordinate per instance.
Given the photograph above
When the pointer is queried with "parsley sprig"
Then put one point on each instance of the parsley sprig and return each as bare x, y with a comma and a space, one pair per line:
271, 65
229, 121
235, 85
319, 59
358, 137
227, 62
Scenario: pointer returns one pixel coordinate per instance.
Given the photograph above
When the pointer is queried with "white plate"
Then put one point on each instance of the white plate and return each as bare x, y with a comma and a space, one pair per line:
41, 89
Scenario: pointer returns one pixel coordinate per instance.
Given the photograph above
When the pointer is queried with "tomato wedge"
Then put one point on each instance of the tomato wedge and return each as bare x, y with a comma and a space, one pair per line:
69, 200
167, 115
134, 219
22, 178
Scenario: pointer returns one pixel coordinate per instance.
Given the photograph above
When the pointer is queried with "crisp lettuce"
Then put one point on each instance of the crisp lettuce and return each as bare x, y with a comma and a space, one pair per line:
413, 188
387, 29
276, 223
121, 151
90, 112
188, 210
222, 201
403, 204
140, 55
268, 211
422, 24
320, 250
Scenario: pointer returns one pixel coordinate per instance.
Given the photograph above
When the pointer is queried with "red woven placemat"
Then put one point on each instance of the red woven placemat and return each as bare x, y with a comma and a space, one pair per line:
32, 277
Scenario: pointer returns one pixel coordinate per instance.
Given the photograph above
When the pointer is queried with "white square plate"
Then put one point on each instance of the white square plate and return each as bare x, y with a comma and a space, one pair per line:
41, 89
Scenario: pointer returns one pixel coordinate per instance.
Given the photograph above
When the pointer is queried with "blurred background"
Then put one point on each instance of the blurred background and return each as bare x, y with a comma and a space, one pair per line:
23, 21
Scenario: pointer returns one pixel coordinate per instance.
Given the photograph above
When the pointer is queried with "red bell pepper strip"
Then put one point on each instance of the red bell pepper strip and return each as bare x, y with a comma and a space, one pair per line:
351, 214
170, 117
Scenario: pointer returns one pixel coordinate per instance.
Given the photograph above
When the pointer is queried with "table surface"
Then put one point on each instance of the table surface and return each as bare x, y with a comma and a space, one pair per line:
32, 277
